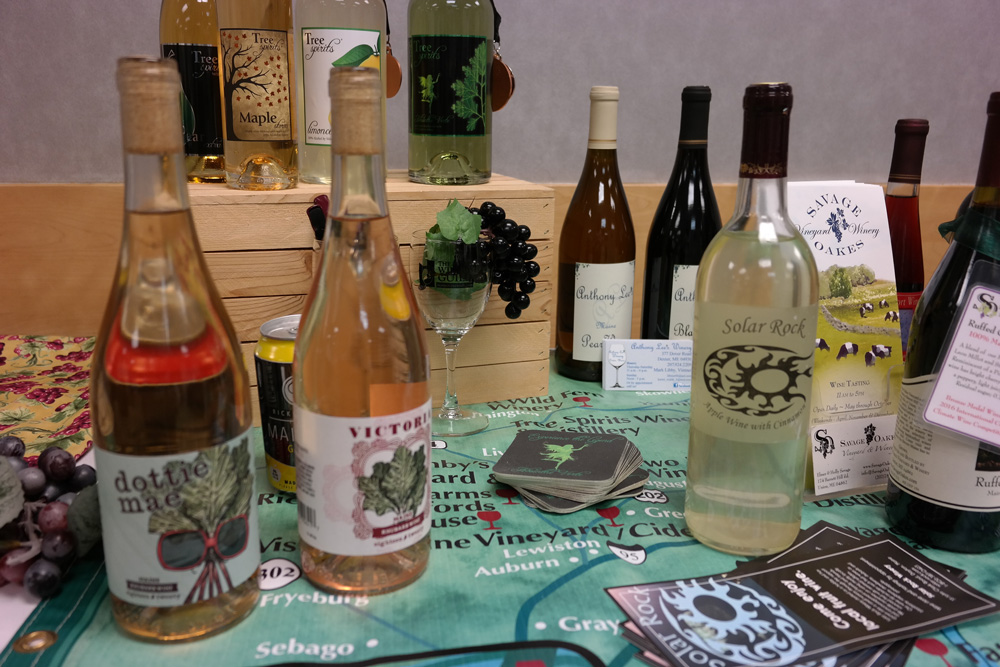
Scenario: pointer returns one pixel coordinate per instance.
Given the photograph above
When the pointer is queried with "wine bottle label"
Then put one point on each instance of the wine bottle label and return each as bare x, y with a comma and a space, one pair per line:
179, 528
449, 85
321, 49
256, 85
602, 306
940, 466
363, 484
682, 301
751, 376
201, 108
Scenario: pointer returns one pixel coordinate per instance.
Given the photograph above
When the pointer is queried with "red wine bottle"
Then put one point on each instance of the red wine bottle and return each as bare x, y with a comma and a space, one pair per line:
902, 205
942, 484
685, 221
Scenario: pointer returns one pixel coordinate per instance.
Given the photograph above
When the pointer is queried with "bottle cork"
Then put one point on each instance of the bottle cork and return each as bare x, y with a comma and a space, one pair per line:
355, 111
603, 117
150, 92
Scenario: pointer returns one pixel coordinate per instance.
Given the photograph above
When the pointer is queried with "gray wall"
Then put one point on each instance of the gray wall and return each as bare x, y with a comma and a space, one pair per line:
855, 66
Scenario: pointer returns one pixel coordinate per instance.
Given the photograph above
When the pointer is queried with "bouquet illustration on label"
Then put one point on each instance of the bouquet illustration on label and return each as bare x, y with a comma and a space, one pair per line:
210, 523
395, 488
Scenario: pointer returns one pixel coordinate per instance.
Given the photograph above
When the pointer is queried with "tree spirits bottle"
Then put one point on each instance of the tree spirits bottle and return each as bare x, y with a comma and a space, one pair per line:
256, 77
685, 222
754, 335
171, 398
362, 407
596, 251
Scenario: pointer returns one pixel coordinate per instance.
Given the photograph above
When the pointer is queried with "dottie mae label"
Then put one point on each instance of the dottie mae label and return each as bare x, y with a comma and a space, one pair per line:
256, 85
178, 529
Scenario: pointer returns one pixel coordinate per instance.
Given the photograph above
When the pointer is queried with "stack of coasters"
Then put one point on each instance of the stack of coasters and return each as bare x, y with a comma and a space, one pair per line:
562, 472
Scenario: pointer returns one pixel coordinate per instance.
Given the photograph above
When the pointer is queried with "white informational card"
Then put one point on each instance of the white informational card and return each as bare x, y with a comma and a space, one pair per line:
966, 395
647, 365
858, 358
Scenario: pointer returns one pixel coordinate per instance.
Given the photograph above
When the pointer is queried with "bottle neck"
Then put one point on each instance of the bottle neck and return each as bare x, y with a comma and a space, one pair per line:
603, 125
155, 183
897, 189
357, 191
987, 191
761, 206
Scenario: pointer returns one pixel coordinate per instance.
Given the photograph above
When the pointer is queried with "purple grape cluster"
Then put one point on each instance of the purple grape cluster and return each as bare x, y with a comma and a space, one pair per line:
514, 265
39, 546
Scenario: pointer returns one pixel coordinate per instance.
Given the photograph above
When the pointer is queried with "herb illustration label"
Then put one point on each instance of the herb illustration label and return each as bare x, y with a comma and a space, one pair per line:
256, 84
180, 528
451, 92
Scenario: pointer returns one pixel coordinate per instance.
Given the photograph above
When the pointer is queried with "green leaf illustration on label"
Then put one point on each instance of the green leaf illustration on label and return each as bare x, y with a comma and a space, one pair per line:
355, 56
471, 90
396, 486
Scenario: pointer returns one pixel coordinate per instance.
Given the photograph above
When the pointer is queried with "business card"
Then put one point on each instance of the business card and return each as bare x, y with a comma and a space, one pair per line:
647, 365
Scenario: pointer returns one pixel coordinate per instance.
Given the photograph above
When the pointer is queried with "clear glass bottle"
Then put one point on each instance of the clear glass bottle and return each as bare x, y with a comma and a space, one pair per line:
902, 205
256, 78
686, 220
189, 33
451, 114
942, 488
170, 398
596, 251
362, 407
330, 33
755, 324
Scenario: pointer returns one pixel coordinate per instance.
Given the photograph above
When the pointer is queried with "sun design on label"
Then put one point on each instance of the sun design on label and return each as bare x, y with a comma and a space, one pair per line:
758, 380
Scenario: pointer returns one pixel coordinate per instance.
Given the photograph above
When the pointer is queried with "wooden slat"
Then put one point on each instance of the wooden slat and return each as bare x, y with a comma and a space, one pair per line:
261, 272
248, 313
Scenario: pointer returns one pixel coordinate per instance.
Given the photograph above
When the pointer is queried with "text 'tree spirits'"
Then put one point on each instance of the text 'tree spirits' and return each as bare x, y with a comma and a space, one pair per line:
170, 398
596, 251
330, 33
362, 407
902, 204
189, 33
685, 222
755, 327
256, 77
451, 115
943, 485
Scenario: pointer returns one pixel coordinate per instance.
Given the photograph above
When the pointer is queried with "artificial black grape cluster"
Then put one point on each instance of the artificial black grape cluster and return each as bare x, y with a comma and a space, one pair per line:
514, 268
38, 546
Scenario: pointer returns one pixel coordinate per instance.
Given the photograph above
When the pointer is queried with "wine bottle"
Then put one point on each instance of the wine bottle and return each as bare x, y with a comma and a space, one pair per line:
596, 251
171, 398
362, 441
902, 204
330, 33
256, 80
189, 33
942, 488
755, 321
685, 221
451, 115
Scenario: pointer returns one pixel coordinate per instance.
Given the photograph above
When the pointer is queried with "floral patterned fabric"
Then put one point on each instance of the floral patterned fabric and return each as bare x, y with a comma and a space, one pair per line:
45, 392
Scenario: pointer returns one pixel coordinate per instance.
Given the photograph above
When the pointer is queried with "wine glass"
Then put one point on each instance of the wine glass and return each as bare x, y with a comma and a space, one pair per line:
451, 284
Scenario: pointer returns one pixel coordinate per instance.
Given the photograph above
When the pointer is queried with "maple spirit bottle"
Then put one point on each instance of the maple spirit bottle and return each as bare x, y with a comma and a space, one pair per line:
171, 398
596, 251
685, 222
189, 34
943, 484
258, 93
361, 396
902, 205
330, 33
451, 115
754, 335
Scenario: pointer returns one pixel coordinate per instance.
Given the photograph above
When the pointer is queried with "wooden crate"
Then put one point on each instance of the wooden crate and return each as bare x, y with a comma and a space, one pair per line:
260, 249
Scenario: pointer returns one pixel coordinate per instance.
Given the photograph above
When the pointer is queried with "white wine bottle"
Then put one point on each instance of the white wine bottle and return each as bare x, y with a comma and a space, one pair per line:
451, 114
596, 251
756, 304
189, 33
256, 79
362, 407
171, 399
331, 33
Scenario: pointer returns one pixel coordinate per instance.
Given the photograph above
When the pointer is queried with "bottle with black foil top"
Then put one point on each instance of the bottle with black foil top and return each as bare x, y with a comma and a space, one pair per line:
755, 320
902, 205
943, 485
685, 222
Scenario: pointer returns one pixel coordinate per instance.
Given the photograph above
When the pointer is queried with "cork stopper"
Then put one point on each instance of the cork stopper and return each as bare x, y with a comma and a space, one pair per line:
603, 117
150, 92
355, 111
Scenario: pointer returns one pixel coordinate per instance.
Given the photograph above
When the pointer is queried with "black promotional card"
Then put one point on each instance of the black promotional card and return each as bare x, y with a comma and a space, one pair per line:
802, 609
585, 462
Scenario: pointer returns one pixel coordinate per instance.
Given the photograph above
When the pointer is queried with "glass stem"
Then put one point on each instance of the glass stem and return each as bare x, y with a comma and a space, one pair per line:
450, 405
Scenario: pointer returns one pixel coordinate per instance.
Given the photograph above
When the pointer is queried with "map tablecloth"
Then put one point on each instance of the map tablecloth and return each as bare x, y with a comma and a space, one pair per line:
506, 584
